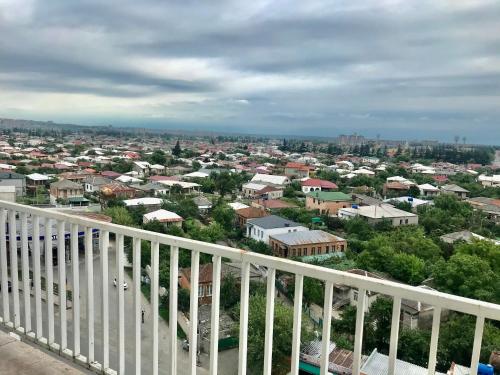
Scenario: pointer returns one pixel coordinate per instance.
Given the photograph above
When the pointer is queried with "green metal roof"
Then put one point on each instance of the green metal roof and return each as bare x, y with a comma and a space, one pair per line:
309, 368
330, 196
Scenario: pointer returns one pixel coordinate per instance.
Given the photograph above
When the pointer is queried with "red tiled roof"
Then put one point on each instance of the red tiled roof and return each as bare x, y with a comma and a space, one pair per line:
298, 166
111, 174
251, 212
317, 182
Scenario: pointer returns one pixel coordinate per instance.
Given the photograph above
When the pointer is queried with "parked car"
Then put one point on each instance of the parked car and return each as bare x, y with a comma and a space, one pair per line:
125, 285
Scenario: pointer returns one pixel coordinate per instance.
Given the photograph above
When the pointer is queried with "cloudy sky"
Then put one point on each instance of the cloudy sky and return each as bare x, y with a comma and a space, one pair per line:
399, 68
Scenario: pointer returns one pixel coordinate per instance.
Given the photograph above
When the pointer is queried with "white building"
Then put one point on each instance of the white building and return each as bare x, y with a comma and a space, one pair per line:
377, 213
428, 190
271, 179
261, 228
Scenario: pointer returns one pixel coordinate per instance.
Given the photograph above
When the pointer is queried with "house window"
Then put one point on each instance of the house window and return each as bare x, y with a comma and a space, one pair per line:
355, 296
401, 221
200, 291
209, 290
327, 249
313, 251
294, 252
341, 247
406, 221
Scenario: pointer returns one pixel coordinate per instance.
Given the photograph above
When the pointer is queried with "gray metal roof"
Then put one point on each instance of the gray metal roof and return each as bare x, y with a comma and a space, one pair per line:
306, 237
273, 221
377, 364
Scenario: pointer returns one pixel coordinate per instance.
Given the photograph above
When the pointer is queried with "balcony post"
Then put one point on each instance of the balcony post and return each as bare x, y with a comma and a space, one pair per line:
214, 319
193, 311
3, 264
76, 289
174, 280
245, 288
268, 339
297, 323
14, 266
25, 272
37, 277
327, 325
89, 270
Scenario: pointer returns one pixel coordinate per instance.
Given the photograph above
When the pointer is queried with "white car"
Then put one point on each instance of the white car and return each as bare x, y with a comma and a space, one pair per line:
125, 285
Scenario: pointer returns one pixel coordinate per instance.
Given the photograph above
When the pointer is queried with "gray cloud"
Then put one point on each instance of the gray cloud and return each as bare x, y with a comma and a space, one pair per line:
379, 66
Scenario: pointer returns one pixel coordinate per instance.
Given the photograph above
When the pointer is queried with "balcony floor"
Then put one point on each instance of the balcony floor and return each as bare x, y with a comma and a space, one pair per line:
20, 358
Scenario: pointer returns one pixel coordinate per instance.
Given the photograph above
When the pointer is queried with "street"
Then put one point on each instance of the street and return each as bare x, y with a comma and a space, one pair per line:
227, 359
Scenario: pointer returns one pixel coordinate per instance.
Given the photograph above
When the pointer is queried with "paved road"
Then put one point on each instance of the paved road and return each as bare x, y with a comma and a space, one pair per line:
227, 359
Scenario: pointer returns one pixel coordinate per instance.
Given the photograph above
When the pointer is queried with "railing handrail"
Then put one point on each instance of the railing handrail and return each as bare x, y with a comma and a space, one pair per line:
447, 301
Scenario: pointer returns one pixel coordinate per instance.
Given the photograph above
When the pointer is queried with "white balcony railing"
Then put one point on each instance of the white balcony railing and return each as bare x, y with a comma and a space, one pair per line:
42, 327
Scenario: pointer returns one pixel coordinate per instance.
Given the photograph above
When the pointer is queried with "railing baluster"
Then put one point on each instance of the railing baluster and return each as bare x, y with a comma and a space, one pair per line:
268, 338
214, 324
155, 255
61, 261
193, 311
25, 272
104, 249
436, 320
358, 336
297, 323
476, 349
89, 271
327, 324
49, 280
76, 289
174, 273
13, 266
393, 346
37, 277
245, 289
3, 264
121, 304
136, 264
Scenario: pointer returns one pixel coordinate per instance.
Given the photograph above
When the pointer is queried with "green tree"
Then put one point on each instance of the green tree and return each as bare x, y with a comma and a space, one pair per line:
229, 292
176, 151
225, 216
282, 337
120, 215
158, 157
468, 276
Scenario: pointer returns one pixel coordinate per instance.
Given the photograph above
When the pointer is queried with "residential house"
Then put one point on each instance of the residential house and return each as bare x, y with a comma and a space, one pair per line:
185, 187
244, 214
261, 228
428, 190
93, 183
168, 218
117, 190
260, 190
204, 282
151, 188
149, 203
142, 168
14, 179
110, 174
487, 181
378, 213
327, 202
455, 190
413, 202
269, 179
490, 206
271, 204
203, 203
36, 181
156, 169
395, 188
314, 184
297, 170
306, 243
64, 190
